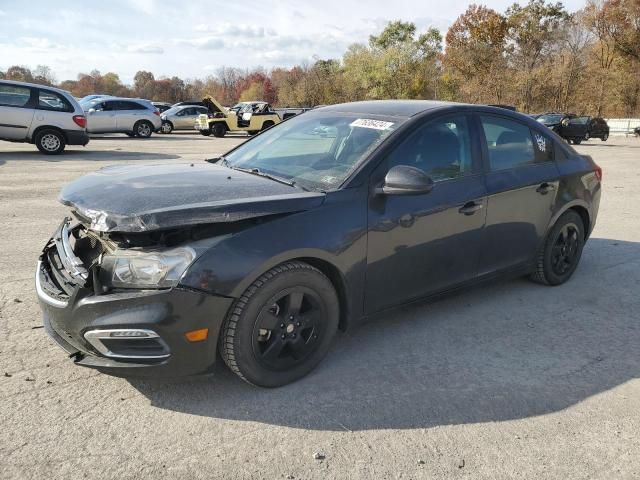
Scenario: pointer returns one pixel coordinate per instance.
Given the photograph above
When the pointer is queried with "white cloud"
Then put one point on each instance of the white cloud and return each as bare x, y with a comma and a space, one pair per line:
148, 48
38, 43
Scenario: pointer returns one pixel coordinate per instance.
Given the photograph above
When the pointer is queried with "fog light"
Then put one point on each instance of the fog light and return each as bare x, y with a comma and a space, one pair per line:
197, 335
129, 333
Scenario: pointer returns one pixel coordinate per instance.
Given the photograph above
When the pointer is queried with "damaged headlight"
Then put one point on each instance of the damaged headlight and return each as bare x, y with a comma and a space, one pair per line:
157, 269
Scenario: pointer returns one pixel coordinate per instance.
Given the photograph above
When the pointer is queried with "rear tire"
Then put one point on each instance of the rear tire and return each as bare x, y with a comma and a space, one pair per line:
143, 129
587, 136
577, 141
50, 142
560, 254
282, 325
605, 137
267, 124
218, 130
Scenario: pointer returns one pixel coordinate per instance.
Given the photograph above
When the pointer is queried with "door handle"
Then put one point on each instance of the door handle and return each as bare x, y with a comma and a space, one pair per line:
545, 188
470, 208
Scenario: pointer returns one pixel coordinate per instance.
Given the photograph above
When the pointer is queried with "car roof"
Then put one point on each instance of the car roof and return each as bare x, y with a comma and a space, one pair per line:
398, 108
34, 85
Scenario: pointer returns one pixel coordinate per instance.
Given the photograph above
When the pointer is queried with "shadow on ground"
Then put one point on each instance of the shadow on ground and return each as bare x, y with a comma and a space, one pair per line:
507, 350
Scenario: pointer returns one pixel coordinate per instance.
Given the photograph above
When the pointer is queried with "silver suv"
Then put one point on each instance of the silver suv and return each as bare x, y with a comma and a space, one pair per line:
181, 118
133, 116
49, 117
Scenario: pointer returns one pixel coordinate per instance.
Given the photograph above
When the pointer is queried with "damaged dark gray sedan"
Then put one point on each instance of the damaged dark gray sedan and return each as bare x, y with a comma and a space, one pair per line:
307, 228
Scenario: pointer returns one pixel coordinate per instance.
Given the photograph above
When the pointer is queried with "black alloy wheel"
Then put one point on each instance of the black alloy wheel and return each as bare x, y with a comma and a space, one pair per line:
282, 325
286, 332
561, 252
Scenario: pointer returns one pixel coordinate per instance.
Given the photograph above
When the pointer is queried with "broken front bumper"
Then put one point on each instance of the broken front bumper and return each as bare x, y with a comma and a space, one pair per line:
125, 332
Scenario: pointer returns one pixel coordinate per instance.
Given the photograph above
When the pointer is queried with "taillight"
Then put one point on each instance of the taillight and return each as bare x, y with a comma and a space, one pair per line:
80, 120
599, 173
157, 112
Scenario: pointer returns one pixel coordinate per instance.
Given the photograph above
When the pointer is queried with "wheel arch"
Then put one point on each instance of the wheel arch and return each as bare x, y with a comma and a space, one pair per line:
47, 127
582, 209
315, 259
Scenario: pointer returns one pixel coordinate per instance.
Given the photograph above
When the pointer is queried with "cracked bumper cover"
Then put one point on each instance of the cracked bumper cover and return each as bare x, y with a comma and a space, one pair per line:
169, 313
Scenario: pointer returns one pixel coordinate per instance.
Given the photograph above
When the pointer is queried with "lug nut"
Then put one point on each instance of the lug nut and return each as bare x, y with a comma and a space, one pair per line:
283, 336
282, 325
298, 324
290, 317
293, 335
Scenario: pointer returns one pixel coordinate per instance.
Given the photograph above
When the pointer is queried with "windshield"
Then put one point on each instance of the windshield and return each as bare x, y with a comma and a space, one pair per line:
316, 150
549, 118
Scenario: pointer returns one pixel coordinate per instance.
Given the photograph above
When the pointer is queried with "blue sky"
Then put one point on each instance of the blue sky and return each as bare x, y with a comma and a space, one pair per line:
193, 39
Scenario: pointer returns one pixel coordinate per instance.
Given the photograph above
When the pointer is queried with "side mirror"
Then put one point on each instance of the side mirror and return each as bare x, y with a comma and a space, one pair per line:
91, 111
405, 180
565, 122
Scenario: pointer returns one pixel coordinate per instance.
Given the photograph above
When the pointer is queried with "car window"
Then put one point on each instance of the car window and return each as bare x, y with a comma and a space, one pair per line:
107, 106
579, 121
53, 101
125, 105
441, 148
14, 95
509, 143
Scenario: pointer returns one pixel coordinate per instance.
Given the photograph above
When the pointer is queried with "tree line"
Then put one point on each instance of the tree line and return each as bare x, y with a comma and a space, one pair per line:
537, 57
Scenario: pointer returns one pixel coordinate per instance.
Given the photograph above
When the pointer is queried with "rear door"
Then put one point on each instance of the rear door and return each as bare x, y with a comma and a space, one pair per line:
128, 113
522, 182
421, 244
16, 111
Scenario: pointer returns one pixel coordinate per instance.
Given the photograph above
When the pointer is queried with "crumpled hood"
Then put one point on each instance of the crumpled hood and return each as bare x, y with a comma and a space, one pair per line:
153, 197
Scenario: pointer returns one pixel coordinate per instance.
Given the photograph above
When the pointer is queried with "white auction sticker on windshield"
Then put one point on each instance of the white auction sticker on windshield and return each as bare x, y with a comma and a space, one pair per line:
369, 123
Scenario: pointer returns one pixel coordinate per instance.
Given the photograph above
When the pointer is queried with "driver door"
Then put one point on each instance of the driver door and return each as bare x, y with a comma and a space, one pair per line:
103, 119
423, 244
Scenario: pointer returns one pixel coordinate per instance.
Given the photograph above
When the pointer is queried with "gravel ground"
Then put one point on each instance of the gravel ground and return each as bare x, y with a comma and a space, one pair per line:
508, 380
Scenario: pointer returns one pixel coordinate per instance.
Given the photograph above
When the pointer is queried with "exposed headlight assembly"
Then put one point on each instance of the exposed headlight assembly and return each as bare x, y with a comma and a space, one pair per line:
150, 269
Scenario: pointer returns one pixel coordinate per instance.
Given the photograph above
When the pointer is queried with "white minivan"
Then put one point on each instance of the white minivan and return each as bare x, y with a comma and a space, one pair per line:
48, 117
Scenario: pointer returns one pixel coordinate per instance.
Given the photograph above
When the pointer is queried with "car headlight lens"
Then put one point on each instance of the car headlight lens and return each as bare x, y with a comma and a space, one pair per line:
157, 269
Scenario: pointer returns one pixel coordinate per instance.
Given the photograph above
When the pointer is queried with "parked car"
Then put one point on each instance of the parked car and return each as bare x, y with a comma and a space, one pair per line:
250, 117
162, 106
132, 116
48, 117
307, 228
181, 118
577, 129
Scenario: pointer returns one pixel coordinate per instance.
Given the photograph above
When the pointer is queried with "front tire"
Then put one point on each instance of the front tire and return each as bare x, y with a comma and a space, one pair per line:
560, 254
50, 142
205, 133
605, 137
577, 141
267, 124
167, 127
218, 130
282, 325
143, 129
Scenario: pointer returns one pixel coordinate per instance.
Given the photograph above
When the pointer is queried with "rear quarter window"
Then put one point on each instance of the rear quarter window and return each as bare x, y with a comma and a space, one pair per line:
53, 101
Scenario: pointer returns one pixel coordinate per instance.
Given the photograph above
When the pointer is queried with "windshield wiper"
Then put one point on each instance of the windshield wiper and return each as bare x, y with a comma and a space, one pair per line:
256, 171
